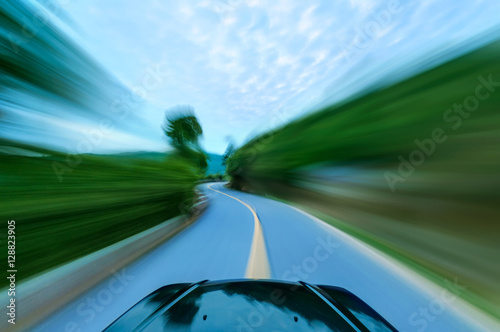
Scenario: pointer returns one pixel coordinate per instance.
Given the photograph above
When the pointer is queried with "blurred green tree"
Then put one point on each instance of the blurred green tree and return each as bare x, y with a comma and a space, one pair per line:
228, 153
183, 131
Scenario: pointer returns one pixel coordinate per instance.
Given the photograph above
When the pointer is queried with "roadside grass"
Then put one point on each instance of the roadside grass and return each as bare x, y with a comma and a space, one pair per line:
98, 202
405, 258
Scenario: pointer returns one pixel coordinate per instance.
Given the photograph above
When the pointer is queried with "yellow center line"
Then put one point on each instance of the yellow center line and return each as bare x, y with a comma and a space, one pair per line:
258, 263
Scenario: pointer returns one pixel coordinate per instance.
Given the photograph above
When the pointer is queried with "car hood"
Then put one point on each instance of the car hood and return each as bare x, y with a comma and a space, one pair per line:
249, 305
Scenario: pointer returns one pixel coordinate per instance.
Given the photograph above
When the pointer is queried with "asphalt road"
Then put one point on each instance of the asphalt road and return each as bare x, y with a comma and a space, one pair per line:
247, 236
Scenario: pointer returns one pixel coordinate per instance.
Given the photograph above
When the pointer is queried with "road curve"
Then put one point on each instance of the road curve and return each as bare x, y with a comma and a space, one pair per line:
258, 263
243, 235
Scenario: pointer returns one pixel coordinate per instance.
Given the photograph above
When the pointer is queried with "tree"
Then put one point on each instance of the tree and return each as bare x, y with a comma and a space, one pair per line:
182, 127
183, 130
229, 151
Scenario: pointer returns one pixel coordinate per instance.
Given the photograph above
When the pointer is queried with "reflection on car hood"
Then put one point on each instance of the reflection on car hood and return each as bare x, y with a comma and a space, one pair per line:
250, 305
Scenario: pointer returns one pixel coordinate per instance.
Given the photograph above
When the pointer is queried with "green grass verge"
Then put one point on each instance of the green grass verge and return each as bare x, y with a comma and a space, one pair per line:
92, 204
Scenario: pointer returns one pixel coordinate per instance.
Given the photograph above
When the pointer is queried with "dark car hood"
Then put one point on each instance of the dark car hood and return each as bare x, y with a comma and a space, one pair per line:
250, 305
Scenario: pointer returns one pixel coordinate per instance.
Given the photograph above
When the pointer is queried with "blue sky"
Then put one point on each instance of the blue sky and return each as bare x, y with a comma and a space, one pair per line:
247, 66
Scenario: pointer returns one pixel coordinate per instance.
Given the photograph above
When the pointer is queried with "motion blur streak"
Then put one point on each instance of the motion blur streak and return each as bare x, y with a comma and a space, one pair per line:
71, 204
412, 168
50, 88
103, 200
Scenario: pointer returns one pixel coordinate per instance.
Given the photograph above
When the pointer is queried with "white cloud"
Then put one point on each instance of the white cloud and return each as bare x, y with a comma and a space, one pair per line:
258, 56
364, 6
306, 20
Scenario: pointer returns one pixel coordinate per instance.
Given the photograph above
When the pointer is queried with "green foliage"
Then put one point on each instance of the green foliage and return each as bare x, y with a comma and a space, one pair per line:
214, 177
378, 126
94, 202
199, 157
228, 153
41, 59
443, 214
183, 130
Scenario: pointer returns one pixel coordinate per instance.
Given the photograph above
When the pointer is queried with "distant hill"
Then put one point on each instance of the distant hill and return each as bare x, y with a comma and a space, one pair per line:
148, 155
215, 164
